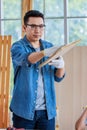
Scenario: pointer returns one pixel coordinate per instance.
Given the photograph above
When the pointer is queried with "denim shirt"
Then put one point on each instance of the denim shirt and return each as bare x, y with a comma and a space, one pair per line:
26, 81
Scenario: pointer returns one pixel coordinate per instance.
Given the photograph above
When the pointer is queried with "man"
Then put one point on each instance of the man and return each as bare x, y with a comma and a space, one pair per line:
81, 123
33, 103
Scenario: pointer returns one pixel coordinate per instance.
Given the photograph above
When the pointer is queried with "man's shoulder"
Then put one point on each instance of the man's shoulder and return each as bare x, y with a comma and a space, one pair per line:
18, 43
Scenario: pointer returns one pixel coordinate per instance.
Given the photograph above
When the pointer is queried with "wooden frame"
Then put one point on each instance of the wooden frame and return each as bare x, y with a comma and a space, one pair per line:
5, 43
26, 6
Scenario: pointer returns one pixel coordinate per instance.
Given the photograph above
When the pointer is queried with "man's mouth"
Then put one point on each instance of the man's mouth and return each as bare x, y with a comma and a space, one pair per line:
36, 36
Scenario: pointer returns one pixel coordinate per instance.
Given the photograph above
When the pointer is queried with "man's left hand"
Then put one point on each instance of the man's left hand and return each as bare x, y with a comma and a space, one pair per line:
58, 63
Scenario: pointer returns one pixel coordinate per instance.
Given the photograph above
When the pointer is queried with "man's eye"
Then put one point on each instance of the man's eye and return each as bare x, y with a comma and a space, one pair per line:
33, 26
41, 26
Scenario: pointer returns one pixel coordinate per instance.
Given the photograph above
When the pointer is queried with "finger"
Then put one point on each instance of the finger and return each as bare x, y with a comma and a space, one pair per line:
50, 63
54, 61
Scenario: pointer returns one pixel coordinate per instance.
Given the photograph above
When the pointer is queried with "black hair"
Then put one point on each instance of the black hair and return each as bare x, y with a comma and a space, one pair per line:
32, 13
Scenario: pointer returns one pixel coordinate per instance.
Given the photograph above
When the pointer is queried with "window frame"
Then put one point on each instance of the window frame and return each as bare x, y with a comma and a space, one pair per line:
66, 18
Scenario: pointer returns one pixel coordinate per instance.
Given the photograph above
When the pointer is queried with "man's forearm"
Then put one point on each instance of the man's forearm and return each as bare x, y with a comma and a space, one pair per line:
84, 114
80, 123
60, 72
35, 57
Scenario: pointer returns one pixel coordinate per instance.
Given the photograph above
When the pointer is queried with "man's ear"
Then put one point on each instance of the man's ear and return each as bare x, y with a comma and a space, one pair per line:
23, 28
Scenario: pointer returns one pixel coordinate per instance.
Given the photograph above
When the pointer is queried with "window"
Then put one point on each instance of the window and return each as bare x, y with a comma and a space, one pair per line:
77, 20
10, 22
66, 20
10, 18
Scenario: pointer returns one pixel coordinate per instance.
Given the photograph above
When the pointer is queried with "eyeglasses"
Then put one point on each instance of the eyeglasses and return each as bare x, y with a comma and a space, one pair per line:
34, 26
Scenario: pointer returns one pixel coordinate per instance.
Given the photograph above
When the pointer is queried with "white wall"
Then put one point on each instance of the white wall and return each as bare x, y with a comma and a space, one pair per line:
71, 93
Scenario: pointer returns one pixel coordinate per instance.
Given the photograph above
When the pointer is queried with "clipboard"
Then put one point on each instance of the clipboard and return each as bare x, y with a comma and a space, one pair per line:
60, 52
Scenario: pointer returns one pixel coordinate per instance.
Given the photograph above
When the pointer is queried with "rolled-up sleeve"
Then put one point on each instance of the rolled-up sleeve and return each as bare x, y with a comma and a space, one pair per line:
58, 79
19, 55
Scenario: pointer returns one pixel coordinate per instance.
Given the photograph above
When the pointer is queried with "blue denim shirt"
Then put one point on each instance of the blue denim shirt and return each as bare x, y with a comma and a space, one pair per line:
26, 81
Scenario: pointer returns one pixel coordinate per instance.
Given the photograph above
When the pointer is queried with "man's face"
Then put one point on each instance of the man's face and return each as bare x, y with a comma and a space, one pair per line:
34, 29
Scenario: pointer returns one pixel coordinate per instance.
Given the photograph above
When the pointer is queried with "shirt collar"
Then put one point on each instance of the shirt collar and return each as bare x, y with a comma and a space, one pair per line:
27, 43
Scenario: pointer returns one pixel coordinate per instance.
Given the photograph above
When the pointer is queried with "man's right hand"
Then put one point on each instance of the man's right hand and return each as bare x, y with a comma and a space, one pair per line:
50, 51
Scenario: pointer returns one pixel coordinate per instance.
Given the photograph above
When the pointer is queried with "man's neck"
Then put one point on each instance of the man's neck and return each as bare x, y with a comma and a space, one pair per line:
35, 44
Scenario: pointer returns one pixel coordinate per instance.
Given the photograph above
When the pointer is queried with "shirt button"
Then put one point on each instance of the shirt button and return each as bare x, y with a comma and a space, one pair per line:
37, 70
36, 81
35, 91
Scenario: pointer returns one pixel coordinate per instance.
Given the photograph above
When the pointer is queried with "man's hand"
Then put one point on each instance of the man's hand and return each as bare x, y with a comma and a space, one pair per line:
81, 122
50, 51
58, 63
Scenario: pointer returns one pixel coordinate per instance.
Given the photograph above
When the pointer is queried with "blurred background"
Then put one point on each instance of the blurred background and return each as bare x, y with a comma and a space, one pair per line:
66, 21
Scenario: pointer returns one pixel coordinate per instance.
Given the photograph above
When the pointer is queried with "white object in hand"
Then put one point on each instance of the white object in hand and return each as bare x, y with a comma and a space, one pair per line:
50, 51
58, 63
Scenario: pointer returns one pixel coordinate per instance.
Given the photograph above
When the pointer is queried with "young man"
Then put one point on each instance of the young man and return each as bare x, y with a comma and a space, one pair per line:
33, 103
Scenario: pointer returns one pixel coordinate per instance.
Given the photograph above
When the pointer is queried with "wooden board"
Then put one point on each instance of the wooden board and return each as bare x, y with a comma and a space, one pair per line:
5, 43
60, 52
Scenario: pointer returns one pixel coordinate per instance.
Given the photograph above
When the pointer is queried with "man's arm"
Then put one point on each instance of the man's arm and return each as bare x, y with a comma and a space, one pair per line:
80, 123
60, 72
35, 57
